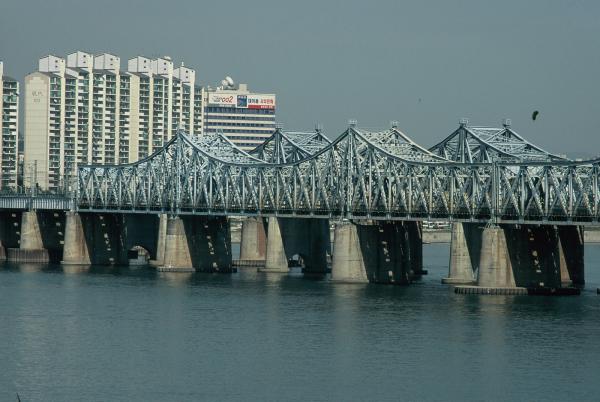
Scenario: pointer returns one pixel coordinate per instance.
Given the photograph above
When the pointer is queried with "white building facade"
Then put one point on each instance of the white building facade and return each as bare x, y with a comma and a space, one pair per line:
163, 99
9, 127
245, 117
85, 110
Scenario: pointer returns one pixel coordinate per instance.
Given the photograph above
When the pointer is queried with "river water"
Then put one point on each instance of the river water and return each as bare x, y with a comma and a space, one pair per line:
119, 334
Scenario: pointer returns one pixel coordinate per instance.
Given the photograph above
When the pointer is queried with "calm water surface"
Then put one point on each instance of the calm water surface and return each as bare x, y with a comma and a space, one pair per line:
135, 335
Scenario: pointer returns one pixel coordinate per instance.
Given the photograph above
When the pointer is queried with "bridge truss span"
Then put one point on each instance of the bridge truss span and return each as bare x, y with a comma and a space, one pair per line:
290, 146
489, 144
360, 175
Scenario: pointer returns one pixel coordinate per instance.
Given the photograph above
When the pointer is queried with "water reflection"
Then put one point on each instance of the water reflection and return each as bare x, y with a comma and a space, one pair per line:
103, 329
31, 267
176, 278
76, 269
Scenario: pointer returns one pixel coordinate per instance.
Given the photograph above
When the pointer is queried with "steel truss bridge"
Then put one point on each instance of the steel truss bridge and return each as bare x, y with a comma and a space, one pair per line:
475, 174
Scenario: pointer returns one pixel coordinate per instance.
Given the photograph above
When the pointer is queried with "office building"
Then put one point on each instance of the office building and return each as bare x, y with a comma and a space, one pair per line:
246, 118
9, 127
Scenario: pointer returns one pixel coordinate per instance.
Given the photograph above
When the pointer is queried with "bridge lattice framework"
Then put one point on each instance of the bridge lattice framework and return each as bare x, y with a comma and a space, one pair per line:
475, 174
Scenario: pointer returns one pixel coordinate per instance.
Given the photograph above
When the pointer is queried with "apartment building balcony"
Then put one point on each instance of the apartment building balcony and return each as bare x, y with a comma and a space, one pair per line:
10, 99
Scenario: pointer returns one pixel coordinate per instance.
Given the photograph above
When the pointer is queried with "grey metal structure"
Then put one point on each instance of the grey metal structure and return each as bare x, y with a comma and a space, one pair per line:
361, 174
487, 144
399, 144
290, 146
41, 201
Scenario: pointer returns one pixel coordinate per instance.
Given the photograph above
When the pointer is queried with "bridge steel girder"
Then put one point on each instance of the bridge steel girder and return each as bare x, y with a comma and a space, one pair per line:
290, 146
489, 144
359, 175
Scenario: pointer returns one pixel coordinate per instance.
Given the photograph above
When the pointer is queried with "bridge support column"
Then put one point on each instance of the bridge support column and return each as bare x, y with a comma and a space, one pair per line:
378, 252
465, 250
209, 242
253, 244
75, 251
177, 257
413, 244
4, 218
305, 238
31, 235
31, 248
161, 241
517, 259
571, 255
348, 263
316, 239
495, 267
276, 259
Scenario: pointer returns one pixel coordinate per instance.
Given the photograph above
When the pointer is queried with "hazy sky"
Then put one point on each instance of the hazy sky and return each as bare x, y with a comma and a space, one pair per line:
423, 63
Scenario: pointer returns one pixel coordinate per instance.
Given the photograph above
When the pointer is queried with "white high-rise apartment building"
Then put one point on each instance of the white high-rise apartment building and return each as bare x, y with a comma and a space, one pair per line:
9, 127
163, 100
245, 117
85, 110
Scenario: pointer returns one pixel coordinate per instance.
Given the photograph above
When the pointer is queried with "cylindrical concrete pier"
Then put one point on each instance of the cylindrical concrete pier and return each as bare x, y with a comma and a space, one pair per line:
75, 251
347, 263
276, 259
177, 253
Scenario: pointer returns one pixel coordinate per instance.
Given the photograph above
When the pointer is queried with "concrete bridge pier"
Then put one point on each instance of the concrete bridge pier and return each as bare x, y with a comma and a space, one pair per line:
495, 266
197, 243
209, 243
348, 264
109, 239
177, 256
413, 244
253, 242
31, 246
571, 255
75, 251
378, 252
276, 258
517, 259
308, 239
391, 251
160, 241
465, 250
313, 243
4, 219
